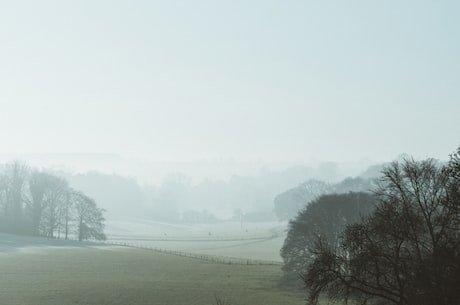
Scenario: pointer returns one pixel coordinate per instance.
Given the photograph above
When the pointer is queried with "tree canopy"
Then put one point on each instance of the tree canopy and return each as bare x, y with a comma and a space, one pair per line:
39, 203
289, 203
324, 218
407, 251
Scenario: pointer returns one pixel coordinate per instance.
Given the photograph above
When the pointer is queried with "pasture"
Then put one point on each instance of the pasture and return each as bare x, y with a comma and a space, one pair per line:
261, 241
116, 275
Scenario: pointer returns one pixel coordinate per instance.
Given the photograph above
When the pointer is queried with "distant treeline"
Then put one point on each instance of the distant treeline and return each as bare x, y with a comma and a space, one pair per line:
289, 203
181, 199
38, 203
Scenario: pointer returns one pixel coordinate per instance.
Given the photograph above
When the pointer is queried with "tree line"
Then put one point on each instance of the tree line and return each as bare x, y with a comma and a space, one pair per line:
288, 204
39, 203
324, 218
399, 244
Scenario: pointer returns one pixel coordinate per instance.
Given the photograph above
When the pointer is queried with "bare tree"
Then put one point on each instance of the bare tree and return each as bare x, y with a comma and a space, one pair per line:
288, 204
90, 218
50, 205
67, 212
13, 183
43, 204
54, 203
39, 187
407, 252
324, 218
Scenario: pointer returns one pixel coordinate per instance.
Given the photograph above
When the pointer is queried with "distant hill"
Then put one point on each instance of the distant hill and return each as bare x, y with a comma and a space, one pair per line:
166, 190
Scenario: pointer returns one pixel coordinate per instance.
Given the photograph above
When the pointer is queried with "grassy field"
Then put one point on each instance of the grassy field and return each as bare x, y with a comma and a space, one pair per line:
263, 249
61, 276
244, 240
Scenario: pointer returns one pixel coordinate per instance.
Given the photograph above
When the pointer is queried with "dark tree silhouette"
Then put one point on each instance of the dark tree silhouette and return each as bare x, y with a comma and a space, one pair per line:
324, 218
407, 252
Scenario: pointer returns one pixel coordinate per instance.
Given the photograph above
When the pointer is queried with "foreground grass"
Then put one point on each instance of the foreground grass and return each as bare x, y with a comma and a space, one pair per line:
133, 276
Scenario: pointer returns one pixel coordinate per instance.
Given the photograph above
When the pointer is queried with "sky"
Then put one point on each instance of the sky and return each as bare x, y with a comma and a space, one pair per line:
275, 81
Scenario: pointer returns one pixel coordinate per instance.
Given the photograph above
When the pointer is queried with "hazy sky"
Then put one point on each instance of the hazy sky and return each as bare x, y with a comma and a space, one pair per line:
247, 80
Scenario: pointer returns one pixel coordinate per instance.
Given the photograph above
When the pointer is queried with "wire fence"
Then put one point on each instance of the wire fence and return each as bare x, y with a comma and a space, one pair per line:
204, 257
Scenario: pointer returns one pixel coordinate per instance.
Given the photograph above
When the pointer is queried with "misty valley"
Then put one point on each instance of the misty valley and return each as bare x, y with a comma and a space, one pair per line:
66, 246
234, 227
230, 152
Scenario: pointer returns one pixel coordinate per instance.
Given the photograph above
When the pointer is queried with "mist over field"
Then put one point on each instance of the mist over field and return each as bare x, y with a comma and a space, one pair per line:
229, 152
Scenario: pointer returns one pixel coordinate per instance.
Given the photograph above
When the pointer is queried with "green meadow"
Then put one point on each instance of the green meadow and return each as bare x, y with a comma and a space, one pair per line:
111, 275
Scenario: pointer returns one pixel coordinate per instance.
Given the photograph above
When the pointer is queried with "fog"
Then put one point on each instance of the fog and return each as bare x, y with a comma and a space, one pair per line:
233, 80
126, 187
154, 172
166, 122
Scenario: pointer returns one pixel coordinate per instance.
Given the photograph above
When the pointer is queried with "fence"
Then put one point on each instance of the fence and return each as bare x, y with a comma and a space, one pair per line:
204, 257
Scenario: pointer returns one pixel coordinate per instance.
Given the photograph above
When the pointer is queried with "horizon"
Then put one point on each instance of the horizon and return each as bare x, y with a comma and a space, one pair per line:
147, 172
